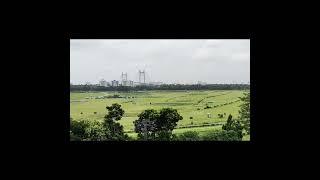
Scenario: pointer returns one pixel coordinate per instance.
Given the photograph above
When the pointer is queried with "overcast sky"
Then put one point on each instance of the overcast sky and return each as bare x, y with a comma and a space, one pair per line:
168, 61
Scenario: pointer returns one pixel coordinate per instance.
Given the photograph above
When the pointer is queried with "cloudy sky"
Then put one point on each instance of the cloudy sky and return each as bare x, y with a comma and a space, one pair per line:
168, 61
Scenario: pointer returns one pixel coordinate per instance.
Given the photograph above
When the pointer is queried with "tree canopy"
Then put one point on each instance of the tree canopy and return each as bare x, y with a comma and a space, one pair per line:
244, 112
114, 129
233, 125
154, 125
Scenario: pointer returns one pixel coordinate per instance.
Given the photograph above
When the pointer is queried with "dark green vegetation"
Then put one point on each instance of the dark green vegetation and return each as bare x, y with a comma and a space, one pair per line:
189, 136
222, 136
154, 125
245, 112
110, 129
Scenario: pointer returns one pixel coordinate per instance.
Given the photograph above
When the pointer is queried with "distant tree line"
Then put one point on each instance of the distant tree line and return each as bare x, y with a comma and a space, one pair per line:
88, 87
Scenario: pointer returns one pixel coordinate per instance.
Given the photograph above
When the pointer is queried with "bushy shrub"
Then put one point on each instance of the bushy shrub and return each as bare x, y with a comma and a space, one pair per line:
114, 96
222, 136
85, 130
96, 132
189, 136
78, 128
164, 136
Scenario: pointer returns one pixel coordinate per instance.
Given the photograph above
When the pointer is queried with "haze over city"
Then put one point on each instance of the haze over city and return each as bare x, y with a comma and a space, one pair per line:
167, 61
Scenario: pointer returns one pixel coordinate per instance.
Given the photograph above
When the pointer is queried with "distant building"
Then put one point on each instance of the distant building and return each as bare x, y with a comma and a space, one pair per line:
124, 83
127, 83
103, 82
114, 83
131, 83
124, 79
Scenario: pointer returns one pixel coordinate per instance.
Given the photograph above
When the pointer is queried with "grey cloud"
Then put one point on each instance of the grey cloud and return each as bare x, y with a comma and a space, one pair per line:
188, 61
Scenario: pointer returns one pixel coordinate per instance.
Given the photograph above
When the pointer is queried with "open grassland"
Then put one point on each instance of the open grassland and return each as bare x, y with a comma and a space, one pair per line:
92, 106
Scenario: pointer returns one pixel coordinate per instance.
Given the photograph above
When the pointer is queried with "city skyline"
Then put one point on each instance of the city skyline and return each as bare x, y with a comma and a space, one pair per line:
109, 82
167, 61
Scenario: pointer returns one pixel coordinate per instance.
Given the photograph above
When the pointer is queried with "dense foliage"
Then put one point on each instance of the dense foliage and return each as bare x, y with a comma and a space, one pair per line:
114, 129
189, 136
222, 136
78, 129
244, 112
233, 125
86, 130
154, 125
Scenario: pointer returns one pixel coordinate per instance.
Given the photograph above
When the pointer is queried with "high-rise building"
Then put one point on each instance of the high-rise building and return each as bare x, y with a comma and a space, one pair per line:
124, 79
142, 77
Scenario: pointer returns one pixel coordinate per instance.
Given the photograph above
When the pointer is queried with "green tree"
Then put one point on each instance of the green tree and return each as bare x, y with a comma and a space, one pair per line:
154, 125
96, 131
110, 129
244, 112
86, 130
114, 130
78, 129
233, 125
115, 112
145, 125
168, 119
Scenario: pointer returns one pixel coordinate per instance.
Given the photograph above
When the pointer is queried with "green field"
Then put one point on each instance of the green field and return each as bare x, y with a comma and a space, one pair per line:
188, 103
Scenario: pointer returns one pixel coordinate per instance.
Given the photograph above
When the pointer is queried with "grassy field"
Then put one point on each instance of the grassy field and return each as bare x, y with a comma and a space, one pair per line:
188, 103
